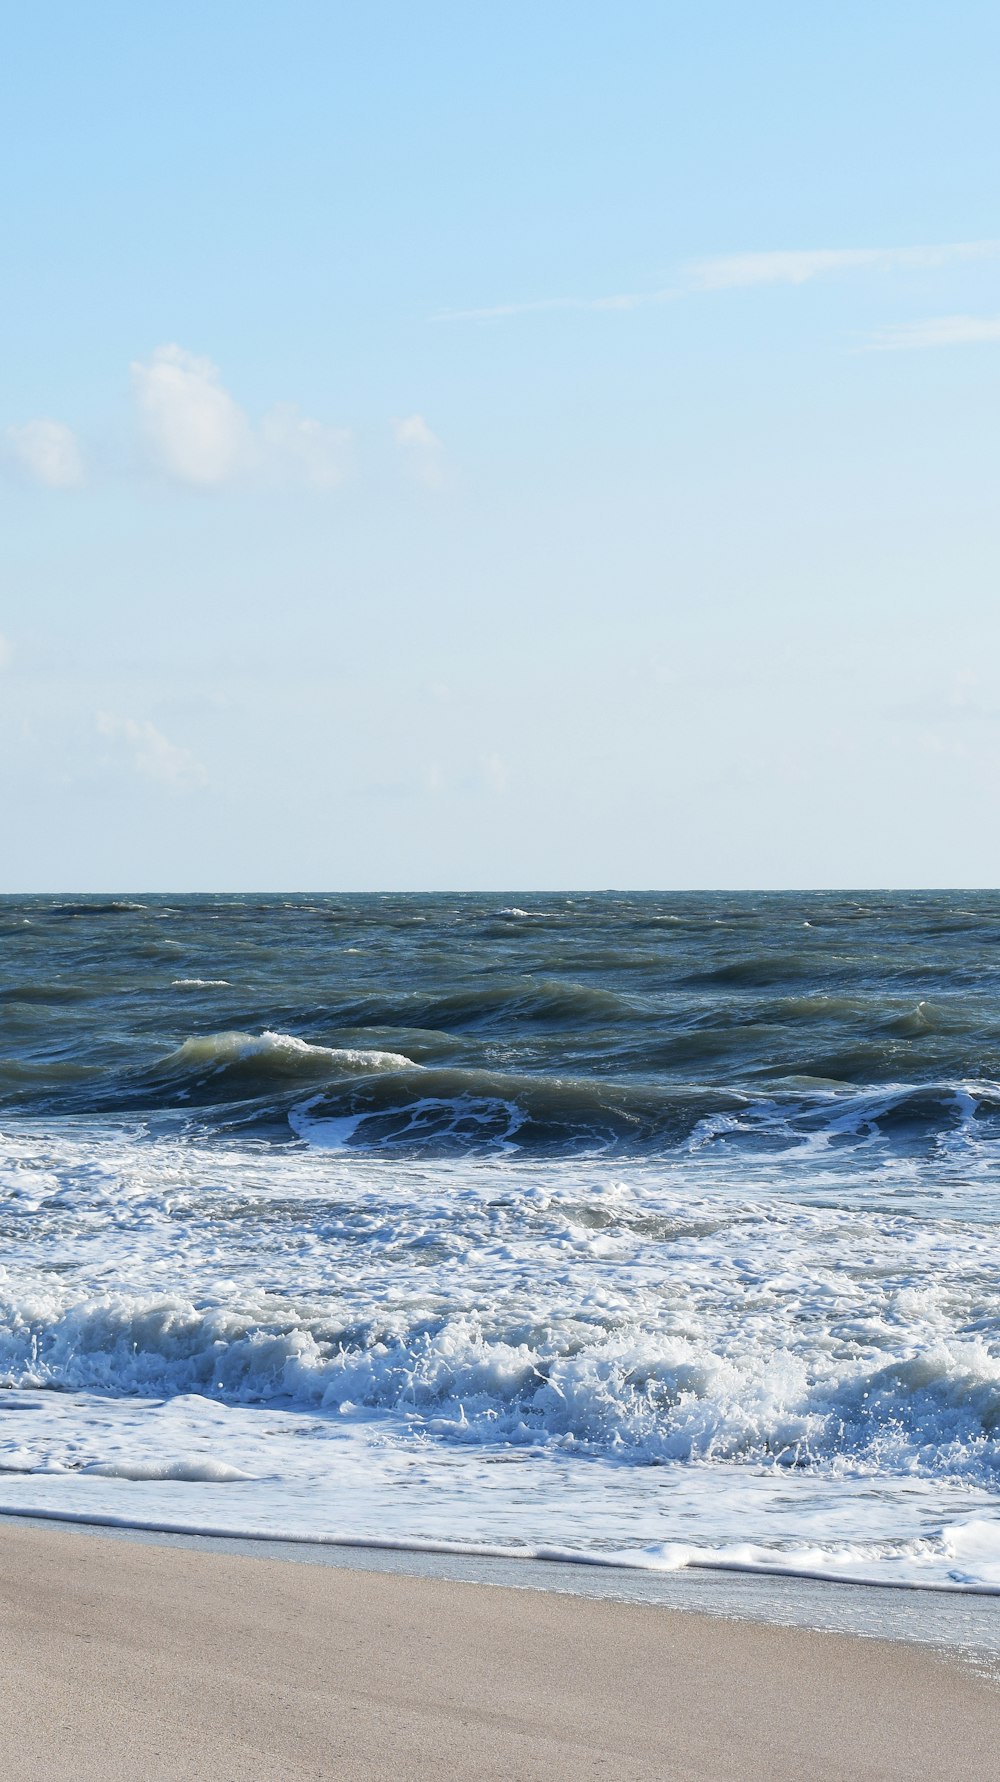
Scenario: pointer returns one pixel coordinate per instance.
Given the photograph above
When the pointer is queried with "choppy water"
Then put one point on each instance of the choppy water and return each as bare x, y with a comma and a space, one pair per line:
658, 1228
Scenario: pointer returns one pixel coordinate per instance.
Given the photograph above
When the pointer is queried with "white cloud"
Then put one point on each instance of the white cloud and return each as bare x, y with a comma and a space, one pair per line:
423, 451
786, 266
193, 429
303, 449
937, 331
197, 433
48, 452
152, 754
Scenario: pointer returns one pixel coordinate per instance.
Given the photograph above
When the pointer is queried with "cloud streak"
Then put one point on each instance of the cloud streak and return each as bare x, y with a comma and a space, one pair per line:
800, 266
538, 305
936, 331
730, 272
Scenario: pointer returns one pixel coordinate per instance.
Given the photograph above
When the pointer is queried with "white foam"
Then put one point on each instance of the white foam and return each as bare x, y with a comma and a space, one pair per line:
208, 1472
461, 1116
362, 1481
789, 1368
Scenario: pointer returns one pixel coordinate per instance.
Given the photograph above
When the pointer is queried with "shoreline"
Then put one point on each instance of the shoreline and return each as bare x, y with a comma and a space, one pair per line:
127, 1658
958, 1622
479, 1550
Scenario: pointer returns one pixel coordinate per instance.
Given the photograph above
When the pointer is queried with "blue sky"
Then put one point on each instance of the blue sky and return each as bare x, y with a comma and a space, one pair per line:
450, 447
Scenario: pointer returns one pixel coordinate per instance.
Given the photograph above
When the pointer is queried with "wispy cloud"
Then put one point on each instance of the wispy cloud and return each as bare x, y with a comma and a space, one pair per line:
196, 433
626, 300
798, 266
422, 450
936, 331
728, 272
151, 754
47, 452
538, 305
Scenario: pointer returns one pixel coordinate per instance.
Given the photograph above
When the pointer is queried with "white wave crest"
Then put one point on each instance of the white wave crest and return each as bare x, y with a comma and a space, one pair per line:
217, 1050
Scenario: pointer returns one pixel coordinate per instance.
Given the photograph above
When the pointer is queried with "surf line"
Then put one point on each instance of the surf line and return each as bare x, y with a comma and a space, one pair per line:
489, 1550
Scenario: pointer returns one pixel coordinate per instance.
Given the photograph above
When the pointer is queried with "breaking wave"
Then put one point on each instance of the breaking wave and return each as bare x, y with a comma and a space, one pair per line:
626, 1391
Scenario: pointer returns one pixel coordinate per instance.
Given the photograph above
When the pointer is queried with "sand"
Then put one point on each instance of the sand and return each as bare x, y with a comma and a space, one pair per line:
122, 1660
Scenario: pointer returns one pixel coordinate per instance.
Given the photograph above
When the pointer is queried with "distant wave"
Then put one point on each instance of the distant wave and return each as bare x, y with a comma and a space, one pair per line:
115, 906
373, 1097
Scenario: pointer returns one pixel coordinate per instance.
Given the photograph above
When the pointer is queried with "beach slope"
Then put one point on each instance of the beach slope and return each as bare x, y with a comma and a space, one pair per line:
124, 1660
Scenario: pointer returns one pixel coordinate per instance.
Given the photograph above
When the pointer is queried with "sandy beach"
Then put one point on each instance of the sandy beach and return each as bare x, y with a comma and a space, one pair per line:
127, 1660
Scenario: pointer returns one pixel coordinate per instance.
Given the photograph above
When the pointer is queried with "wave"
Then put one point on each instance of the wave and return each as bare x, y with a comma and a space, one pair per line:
623, 1392
374, 1097
115, 906
757, 972
412, 1093
450, 1109
220, 1051
544, 1003
43, 993
233, 1063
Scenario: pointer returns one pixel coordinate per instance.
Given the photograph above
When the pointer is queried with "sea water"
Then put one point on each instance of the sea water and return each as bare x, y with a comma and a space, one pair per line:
649, 1230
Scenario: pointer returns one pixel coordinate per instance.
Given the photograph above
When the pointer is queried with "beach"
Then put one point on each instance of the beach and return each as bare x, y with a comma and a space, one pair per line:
129, 1660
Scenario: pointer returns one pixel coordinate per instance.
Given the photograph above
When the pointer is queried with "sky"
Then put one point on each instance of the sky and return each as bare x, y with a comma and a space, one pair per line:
451, 447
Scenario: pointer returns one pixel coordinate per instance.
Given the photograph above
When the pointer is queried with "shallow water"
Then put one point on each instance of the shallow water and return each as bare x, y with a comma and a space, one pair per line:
657, 1229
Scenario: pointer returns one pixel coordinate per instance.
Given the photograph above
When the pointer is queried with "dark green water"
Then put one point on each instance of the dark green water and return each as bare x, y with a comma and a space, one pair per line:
550, 1023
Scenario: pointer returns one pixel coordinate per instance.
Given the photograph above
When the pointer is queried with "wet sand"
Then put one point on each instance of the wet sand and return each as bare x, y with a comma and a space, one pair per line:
122, 1660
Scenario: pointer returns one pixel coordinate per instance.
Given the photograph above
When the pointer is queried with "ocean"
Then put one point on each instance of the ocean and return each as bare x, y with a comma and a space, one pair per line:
644, 1229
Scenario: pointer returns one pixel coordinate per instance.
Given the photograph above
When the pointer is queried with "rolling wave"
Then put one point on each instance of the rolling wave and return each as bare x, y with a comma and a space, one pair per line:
618, 1390
374, 1097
